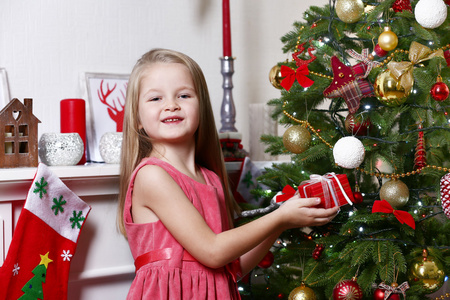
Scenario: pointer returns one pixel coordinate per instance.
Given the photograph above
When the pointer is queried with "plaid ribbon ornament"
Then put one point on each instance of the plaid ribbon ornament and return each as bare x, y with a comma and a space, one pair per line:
394, 289
364, 58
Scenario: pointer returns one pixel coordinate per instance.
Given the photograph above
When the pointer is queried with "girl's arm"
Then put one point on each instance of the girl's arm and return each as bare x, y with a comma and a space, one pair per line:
156, 192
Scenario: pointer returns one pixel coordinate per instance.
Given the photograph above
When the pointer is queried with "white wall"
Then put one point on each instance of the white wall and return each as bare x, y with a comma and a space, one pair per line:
46, 45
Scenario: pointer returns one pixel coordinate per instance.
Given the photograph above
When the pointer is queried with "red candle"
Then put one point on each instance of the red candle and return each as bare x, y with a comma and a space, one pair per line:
226, 28
73, 119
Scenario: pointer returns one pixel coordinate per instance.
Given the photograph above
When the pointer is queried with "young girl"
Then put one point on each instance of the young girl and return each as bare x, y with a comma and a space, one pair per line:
175, 206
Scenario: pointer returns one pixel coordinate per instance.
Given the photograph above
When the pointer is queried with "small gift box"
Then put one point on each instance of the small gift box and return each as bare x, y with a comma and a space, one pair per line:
332, 189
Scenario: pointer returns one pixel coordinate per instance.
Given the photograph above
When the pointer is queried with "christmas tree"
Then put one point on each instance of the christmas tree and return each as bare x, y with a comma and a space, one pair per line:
364, 98
33, 288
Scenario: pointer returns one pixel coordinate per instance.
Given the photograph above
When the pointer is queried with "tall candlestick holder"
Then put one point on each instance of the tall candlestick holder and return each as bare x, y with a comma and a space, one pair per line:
230, 139
228, 110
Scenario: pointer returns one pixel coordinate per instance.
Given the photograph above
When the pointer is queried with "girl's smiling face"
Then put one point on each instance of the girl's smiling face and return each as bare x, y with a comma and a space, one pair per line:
168, 103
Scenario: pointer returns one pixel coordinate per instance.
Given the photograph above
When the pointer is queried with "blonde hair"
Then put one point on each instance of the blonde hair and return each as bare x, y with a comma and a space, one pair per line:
136, 145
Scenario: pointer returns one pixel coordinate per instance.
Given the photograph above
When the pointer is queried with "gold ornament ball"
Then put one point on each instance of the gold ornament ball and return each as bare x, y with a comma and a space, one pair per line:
427, 272
302, 293
395, 192
349, 11
388, 40
296, 139
275, 77
389, 91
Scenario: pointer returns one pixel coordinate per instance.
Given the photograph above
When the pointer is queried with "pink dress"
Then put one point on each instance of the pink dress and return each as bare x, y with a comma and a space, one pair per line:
164, 269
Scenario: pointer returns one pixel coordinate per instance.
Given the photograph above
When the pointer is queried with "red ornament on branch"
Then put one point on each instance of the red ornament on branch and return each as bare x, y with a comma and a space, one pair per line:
267, 260
445, 194
420, 157
439, 91
357, 124
401, 5
378, 294
380, 52
318, 251
447, 52
347, 290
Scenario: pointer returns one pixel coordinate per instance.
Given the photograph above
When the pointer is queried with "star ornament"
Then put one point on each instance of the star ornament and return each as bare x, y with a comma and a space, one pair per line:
45, 260
349, 83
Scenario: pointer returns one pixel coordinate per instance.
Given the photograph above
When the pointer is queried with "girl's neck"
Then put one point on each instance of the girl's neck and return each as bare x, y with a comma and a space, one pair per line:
182, 158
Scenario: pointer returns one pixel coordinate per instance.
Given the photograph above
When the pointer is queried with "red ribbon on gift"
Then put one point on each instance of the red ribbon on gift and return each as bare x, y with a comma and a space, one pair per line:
299, 74
402, 216
287, 193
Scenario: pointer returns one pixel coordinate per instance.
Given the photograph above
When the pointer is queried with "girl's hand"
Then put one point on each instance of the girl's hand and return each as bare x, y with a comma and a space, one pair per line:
300, 212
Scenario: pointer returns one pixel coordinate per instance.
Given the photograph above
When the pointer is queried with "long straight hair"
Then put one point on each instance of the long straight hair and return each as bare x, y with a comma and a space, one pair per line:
136, 144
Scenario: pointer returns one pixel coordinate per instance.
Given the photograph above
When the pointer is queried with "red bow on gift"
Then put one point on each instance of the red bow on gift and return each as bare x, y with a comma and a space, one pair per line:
290, 76
288, 191
402, 216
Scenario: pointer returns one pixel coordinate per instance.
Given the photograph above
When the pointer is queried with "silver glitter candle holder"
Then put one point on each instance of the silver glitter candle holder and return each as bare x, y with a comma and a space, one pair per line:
60, 149
110, 147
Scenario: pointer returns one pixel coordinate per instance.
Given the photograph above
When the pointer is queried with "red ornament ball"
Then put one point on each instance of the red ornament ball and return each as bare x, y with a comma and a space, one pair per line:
358, 197
347, 290
267, 261
380, 52
439, 91
357, 124
379, 295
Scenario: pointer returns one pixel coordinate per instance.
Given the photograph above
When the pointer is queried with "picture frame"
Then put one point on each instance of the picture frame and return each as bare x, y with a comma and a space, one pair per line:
106, 95
4, 88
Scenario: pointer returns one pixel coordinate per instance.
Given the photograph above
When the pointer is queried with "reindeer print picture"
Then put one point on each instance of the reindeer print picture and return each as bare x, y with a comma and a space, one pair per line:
107, 94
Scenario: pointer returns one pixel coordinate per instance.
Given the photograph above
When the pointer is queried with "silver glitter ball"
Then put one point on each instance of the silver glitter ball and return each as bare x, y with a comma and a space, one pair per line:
60, 149
110, 147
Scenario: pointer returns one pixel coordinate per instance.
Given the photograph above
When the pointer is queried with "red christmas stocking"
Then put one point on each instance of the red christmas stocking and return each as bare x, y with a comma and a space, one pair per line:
44, 241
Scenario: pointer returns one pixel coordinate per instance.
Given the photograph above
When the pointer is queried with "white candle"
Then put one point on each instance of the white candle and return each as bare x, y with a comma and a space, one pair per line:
8, 145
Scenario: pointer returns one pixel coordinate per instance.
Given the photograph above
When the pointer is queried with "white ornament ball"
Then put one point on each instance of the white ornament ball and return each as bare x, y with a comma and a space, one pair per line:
430, 13
348, 152
445, 194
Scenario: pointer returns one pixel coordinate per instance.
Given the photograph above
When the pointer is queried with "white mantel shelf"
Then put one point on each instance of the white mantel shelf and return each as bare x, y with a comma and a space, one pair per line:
80, 179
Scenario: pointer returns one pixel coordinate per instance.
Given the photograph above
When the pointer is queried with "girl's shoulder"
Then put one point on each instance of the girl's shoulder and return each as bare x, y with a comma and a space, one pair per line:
153, 161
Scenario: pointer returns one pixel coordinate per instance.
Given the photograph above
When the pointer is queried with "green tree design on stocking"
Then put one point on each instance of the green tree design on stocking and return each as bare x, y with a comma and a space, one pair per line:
33, 288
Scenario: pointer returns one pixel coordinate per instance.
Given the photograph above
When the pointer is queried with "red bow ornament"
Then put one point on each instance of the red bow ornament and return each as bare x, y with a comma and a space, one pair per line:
403, 217
299, 74
287, 193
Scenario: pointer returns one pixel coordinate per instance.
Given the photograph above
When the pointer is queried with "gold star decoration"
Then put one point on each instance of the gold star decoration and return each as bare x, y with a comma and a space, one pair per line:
45, 260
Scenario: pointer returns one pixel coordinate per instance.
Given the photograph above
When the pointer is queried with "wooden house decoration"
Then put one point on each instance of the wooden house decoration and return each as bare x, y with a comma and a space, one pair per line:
18, 135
